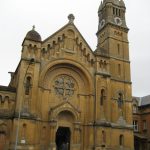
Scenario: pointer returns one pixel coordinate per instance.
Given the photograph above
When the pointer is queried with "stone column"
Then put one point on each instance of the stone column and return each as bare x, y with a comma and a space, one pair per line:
76, 145
52, 133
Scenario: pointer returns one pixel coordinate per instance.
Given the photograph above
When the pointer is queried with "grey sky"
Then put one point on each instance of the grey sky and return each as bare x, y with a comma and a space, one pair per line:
18, 16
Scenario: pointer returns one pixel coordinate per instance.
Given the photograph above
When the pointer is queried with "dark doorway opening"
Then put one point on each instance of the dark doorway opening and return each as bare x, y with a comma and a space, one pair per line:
63, 135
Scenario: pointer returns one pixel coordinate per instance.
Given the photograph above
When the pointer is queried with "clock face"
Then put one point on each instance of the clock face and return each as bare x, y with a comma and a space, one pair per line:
118, 21
102, 23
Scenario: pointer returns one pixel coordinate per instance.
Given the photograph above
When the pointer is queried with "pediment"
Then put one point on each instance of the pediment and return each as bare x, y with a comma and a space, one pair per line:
67, 40
64, 106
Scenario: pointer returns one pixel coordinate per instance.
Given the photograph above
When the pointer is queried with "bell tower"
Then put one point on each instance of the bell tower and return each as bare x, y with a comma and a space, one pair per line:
112, 11
113, 37
113, 82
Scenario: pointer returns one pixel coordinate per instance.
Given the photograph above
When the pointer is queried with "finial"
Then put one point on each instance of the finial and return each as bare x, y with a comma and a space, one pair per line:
122, 3
33, 27
71, 18
100, 7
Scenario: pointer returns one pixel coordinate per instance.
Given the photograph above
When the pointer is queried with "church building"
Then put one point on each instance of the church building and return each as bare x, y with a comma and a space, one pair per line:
65, 96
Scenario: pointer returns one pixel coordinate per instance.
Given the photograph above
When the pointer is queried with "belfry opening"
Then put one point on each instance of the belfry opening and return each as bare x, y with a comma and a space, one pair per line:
63, 136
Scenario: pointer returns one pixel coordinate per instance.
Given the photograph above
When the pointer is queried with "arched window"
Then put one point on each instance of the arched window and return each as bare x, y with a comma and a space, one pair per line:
101, 64
48, 46
6, 98
43, 50
116, 11
119, 69
118, 49
28, 85
121, 140
135, 126
120, 100
43, 132
135, 108
0, 98
92, 62
113, 10
102, 98
105, 65
119, 12
103, 137
24, 127
30, 45
24, 130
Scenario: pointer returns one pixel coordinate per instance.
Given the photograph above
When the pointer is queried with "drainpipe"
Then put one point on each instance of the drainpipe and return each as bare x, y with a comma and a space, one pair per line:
19, 115
94, 123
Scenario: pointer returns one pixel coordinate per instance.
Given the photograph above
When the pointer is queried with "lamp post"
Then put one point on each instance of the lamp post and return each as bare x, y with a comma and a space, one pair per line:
19, 115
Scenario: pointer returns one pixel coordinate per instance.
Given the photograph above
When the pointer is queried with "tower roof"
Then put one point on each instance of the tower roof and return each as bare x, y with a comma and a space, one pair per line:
122, 3
116, 2
33, 35
100, 7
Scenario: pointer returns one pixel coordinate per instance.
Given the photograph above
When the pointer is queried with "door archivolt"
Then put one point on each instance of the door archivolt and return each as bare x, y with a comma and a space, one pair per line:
65, 111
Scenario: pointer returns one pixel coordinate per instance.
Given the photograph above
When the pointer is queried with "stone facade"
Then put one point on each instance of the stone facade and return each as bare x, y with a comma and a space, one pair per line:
141, 122
64, 94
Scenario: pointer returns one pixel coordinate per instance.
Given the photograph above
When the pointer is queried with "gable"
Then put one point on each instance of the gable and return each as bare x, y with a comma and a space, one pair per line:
68, 42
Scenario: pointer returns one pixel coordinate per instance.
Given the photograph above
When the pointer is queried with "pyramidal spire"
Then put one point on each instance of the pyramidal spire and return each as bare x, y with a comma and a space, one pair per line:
100, 7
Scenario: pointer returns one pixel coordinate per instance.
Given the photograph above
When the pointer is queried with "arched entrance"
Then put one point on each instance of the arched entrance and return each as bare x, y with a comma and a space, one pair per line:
64, 132
63, 136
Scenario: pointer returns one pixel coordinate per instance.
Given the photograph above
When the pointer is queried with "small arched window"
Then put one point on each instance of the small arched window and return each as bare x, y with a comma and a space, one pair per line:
103, 137
6, 98
119, 69
102, 97
28, 85
121, 140
118, 49
48, 46
24, 130
43, 50
116, 11
105, 65
24, 127
30, 45
135, 108
92, 62
0, 98
113, 10
120, 100
43, 132
119, 12
101, 64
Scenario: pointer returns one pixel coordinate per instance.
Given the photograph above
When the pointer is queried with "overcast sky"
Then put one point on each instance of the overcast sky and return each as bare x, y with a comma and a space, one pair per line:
18, 16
